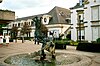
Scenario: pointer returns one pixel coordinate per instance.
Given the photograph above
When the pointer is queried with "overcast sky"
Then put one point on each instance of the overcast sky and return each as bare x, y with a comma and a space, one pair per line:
25, 8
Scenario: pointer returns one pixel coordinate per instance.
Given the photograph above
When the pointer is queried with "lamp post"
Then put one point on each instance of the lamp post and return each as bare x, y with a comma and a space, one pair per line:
80, 20
79, 28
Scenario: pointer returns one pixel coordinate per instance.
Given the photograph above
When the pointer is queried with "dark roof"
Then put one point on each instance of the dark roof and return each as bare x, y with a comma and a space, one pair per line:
58, 14
29, 17
77, 6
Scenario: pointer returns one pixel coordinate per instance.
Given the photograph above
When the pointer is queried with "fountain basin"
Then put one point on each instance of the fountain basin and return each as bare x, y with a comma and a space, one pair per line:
62, 59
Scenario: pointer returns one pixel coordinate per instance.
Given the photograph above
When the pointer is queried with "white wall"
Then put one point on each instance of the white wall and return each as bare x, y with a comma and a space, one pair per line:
87, 18
57, 27
73, 21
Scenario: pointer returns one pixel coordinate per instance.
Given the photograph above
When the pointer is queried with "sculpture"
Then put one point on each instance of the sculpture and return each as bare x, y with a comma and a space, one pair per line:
41, 37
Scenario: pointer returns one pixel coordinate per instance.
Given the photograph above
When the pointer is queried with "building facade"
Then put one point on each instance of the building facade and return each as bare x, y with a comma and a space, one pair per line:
57, 21
6, 16
85, 20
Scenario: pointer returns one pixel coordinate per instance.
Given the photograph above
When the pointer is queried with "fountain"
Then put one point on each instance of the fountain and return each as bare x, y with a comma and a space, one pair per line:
50, 58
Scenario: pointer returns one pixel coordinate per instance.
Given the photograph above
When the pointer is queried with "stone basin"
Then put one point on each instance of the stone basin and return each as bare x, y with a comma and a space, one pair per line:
62, 59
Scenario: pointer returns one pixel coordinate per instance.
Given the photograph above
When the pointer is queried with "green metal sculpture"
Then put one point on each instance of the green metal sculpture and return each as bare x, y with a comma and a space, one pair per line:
41, 37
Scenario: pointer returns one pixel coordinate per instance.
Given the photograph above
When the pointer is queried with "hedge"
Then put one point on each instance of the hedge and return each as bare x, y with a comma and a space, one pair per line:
90, 47
61, 44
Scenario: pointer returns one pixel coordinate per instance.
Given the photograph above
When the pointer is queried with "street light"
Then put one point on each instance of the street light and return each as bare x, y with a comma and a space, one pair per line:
80, 28
80, 22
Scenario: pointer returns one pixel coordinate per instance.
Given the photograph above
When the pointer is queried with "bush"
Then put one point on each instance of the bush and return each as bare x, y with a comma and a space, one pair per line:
66, 39
91, 47
74, 43
11, 40
98, 40
61, 44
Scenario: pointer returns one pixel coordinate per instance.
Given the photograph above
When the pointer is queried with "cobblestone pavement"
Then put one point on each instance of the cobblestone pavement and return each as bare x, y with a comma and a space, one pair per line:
29, 47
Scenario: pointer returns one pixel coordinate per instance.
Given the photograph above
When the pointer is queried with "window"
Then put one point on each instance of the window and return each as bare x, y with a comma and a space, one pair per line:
81, 34
13, 25
32, 23
21, 24
45, 20
68, 21
18, 24
29, 23
95, 13
95, 33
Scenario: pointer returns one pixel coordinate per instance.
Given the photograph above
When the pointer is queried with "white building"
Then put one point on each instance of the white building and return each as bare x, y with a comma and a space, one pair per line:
85, 20
57, 21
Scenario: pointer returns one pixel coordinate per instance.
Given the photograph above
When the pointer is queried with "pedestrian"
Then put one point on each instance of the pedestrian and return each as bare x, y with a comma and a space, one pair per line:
1, 40
7, 37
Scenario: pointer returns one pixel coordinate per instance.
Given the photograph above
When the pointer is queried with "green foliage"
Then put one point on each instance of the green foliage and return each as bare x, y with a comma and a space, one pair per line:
69, 35
60, 36
66, 39
98, 40
61, 42
25, 29
14, 32
44, 29
40, 29
3, 25
75, 43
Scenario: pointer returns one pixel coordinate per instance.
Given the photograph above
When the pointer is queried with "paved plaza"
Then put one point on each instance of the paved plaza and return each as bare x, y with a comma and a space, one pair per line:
29, 47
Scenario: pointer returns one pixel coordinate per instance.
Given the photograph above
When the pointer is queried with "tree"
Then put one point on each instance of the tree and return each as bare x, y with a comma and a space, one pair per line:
69, 35
14, 32
26, 29
44, 29
40, 29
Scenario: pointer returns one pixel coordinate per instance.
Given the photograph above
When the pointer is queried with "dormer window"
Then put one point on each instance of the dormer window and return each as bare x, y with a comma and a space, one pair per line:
86, 2
68, 20
61, 13
45, 20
